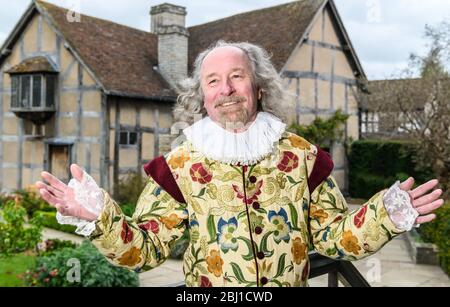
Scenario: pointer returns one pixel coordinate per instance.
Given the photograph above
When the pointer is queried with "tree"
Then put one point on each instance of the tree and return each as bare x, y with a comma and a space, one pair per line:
420, 107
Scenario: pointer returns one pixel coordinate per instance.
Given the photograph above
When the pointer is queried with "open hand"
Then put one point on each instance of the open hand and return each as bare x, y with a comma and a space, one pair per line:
424, 203
62, 197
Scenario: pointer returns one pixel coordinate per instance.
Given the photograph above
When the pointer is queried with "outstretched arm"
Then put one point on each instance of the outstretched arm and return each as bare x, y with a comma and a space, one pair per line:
141, 242
347, 235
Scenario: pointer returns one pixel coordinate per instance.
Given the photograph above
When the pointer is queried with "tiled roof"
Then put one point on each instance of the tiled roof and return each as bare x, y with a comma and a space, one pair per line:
33, 65
122, 58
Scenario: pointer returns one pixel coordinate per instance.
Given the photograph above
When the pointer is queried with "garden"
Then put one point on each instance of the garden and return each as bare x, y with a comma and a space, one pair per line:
26, 259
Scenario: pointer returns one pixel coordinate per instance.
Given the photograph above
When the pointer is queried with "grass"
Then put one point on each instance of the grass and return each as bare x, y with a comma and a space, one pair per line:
11, 267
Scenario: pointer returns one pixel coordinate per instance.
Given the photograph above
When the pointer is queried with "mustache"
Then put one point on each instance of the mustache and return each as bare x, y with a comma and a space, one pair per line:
227, 99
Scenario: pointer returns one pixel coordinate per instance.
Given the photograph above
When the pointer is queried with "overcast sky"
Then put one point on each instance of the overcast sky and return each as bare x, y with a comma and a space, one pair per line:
383, 32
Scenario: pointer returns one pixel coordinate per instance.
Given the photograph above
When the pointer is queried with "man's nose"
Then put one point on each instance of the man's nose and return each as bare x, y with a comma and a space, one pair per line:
227, 88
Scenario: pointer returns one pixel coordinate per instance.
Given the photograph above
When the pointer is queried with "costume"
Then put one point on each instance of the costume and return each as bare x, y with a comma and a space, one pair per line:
254, 203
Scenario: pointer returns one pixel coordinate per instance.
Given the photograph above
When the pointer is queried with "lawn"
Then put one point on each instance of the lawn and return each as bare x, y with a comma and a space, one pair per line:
11, 267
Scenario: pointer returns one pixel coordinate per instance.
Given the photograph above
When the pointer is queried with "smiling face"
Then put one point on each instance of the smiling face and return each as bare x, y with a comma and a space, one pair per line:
227, 85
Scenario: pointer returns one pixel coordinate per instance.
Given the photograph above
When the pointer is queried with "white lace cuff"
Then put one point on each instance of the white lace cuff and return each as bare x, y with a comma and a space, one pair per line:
90, 196
84, 228
399, 207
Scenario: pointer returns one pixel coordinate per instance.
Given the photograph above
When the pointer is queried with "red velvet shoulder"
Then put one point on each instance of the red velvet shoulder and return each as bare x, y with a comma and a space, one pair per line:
323, 166
160, 172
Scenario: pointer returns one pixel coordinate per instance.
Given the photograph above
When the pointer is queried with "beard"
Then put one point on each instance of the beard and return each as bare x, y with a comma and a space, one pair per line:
235, 116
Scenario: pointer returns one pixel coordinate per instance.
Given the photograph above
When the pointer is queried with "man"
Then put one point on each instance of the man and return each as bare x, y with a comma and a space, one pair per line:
254, 197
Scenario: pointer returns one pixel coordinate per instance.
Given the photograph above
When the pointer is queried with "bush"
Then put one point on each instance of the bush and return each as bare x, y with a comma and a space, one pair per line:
129, 189
53, 245
438, 232
48, 219
375, 165
95, 270
14, 236
31, 200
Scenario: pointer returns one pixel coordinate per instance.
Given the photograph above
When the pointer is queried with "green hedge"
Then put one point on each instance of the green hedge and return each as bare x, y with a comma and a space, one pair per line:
438, 232
375, 165
49, 220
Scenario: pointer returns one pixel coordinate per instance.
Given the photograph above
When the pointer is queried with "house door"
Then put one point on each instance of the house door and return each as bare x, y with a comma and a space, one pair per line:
60, 160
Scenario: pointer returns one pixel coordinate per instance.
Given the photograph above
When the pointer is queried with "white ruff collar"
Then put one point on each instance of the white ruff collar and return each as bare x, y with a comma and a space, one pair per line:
246, 148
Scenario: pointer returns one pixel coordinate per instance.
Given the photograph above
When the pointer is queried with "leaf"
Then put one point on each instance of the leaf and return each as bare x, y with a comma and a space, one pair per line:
212, 228
238, 273
249, 256
291, 180
196, 206
202, 269
264, 245
230, 176
202, 192
332, 199
280, 269
294, 215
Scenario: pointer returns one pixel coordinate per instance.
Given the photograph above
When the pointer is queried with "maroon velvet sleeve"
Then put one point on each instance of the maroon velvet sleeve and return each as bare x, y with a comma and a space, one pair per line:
160, 172
323, 167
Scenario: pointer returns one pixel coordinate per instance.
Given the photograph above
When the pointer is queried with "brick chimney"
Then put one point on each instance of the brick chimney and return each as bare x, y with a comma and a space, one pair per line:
168, 22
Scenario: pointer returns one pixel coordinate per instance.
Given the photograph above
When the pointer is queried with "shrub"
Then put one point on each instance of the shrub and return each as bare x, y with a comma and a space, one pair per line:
94, 270
14, 236
48, 219
438, 232
129, 189
31, 200
53, 245
375, 165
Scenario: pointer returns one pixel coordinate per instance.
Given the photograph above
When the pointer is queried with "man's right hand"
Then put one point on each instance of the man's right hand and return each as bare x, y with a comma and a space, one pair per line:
62, 197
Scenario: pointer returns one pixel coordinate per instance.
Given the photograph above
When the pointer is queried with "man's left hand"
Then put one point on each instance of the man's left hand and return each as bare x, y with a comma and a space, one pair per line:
424, 203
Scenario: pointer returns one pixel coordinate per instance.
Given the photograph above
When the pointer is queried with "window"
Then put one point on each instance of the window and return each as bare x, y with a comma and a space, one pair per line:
128, 138
33, 91
369, 122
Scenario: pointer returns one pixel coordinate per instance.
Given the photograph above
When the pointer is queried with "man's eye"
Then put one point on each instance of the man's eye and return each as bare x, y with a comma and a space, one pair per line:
237, 76
212, 81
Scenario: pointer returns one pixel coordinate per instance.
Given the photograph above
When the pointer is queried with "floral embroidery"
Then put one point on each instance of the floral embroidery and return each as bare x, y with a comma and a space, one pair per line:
318, 214
200, 174
178, 159
299, 142
281, 225
215, 263
298, 250
350, 242
225, 234
288, 162
171, 221
151, 225
126, 234
131, 257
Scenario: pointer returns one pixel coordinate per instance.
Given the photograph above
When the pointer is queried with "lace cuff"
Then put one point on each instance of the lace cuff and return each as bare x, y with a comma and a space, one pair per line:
399, 208
84, 228
90, 197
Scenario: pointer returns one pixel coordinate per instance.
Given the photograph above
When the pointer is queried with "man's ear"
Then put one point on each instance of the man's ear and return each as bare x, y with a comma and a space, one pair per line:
260, 94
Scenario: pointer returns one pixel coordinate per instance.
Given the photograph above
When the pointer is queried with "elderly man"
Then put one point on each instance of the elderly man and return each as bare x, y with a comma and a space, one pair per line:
254, 197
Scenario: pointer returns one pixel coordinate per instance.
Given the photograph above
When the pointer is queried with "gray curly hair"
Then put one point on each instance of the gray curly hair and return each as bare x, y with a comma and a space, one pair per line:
190, 101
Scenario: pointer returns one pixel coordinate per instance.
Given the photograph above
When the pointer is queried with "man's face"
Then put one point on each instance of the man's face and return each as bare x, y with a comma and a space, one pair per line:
227, 84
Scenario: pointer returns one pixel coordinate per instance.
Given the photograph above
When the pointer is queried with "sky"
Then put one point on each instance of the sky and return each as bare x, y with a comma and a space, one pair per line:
383, 32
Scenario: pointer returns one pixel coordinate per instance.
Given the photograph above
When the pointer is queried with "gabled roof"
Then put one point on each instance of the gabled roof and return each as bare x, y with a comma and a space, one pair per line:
278, 29
123, 59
